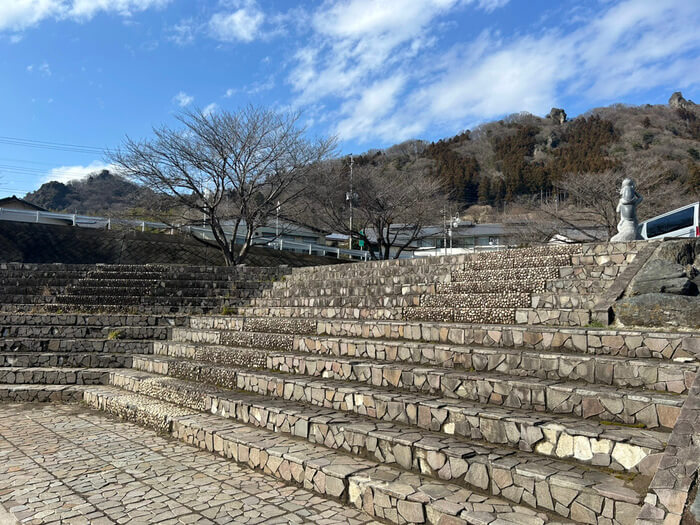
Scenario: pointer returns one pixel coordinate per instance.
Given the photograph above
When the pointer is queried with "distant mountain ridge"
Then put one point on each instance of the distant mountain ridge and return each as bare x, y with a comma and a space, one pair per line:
99, 193
497, 162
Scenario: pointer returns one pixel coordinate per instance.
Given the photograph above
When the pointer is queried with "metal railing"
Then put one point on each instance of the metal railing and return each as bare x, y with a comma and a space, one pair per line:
87, 221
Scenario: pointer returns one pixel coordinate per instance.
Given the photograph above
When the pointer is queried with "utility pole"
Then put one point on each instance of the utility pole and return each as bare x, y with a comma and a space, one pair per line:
350, 198
444, 231
277, 223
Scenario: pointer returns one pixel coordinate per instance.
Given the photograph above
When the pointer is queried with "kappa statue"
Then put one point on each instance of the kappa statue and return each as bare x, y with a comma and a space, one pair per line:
628, 227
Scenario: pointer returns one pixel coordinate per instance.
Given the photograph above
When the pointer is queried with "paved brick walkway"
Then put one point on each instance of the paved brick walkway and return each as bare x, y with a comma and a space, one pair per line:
66, 464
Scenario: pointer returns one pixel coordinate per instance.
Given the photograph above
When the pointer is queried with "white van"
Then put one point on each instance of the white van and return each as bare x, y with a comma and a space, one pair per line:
682, 222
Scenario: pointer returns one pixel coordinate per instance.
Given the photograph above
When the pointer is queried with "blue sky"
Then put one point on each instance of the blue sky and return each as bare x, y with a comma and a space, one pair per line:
374, 73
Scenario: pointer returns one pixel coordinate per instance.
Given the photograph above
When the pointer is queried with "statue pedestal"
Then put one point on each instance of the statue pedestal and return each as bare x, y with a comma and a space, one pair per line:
628, 232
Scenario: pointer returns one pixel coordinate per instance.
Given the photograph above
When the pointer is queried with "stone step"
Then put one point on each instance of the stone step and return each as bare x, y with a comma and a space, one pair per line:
604, 273
32, 290
347, 289
40, 275
320, 312
618, 258
108, 346
600, 341
563, 300
577, 286
65, 359
179, 270
432, 272
154, 291
84, 331
473, 314
55, 376
31, 300
504, 299
23, 393
543, 261
384, 492
339, 301
626, 406
285, 283
104, 299
172, 283
105, 309
103, 320
524, 275
618, 448
560, 316
655, 374
646, 375
493, 286
510, 474
597, 249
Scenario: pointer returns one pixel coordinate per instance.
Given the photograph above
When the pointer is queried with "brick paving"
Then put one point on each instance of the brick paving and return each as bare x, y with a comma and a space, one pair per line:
67, 464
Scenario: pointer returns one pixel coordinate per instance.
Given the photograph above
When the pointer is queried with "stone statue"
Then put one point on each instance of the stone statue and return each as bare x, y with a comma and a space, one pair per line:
628, 227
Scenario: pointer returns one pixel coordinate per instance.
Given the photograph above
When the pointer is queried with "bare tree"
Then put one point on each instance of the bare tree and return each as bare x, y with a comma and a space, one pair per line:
392, 203
230, 169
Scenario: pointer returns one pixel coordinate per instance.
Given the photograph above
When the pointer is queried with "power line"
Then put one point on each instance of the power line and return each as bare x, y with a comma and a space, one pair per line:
56, 146
24, 161
28, 170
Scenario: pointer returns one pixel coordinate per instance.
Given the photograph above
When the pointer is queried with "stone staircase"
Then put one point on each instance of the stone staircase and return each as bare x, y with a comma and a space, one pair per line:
472, 389
130, 288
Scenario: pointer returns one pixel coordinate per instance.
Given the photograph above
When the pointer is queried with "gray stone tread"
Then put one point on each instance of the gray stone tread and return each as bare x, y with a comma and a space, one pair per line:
96, 320
655, 438
55, 376
482, 359
334, 464
60, 359
484, 326
557, 473
50, 344
573, 386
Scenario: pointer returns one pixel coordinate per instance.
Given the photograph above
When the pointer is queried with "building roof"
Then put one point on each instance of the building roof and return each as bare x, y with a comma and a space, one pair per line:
14, 200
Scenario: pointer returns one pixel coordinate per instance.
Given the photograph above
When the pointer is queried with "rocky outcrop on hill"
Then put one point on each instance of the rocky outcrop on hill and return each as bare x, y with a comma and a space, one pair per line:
557, 115
677, 101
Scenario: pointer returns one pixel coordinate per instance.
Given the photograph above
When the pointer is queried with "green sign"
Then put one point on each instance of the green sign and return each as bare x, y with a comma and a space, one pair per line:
361, 242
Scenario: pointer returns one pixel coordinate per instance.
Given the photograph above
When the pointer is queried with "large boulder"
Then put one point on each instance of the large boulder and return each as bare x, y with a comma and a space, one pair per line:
662, 276
682, 251
659, 309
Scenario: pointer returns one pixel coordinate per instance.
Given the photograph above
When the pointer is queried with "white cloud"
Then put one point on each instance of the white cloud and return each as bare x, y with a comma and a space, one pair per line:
230, 92
17, 15
86, 9
371, 60
67, 173
356, 39
211, 108
241, 25
492, 5
42, 69
182, 99
260, 86
182, 33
